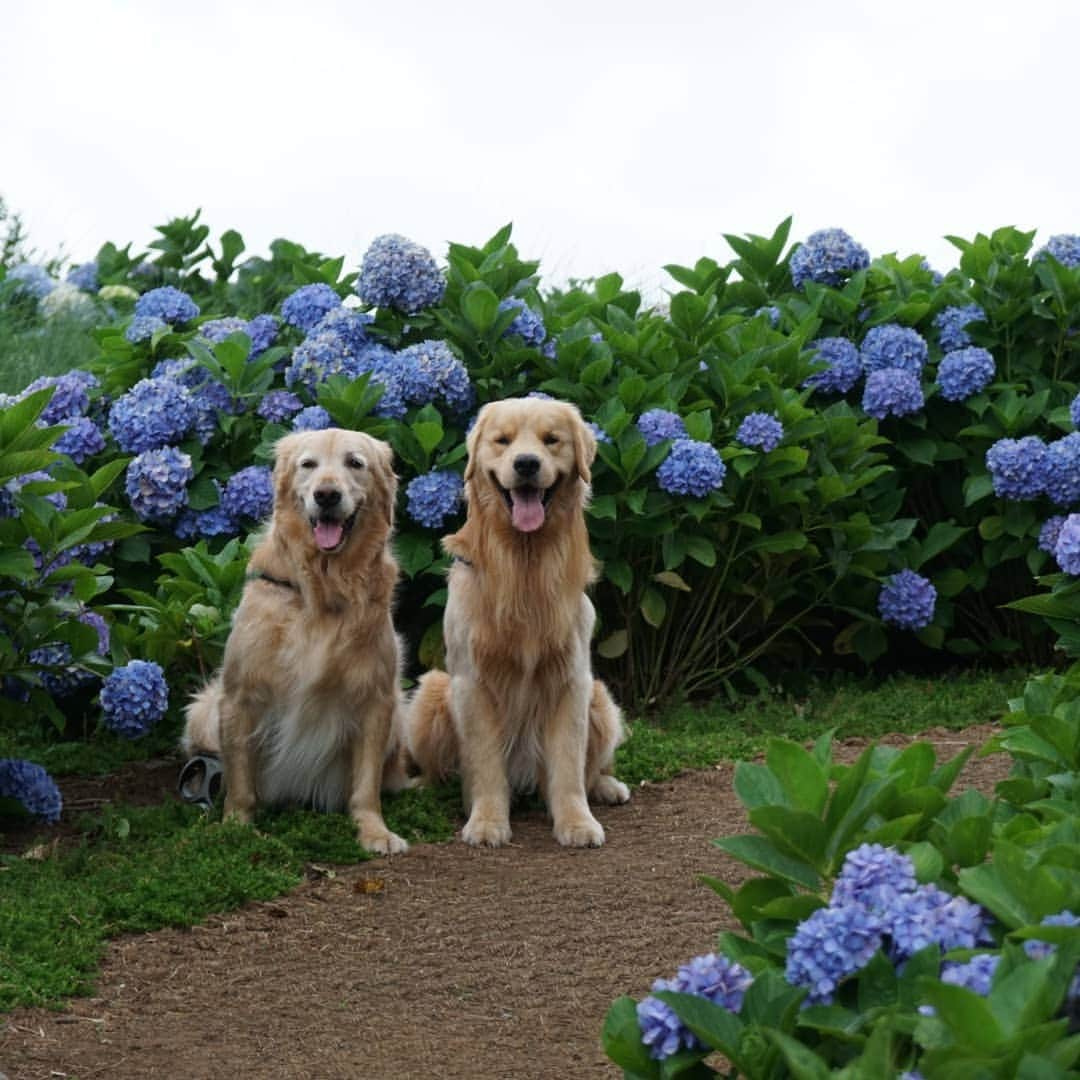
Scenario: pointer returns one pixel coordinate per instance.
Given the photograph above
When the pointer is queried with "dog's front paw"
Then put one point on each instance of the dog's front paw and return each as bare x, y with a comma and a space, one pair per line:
609, 791
382, 842
239, 815
583, 831
486, 832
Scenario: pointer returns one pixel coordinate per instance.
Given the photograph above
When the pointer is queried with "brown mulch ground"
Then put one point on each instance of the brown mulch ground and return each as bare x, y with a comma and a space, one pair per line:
446, 962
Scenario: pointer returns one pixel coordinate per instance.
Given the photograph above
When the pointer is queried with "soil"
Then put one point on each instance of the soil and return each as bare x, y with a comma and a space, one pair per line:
446, 962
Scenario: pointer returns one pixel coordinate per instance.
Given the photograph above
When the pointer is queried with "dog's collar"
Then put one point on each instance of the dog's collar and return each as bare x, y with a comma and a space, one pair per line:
261, 575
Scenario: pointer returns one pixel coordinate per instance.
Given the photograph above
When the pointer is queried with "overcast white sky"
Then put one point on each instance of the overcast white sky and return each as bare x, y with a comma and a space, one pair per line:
615, 135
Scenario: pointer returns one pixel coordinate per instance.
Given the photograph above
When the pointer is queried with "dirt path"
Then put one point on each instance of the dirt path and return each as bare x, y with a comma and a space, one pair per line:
445, 963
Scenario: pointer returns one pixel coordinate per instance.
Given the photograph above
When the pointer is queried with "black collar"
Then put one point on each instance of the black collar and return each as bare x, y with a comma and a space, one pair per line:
261, 575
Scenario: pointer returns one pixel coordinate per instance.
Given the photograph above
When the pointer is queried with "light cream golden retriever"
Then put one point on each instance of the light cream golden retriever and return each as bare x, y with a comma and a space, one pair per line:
517, 707
307, 701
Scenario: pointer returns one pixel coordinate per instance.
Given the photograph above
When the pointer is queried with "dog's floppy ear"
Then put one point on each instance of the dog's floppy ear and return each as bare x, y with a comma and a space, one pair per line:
471, 441
382, 473
285, 451
584, 444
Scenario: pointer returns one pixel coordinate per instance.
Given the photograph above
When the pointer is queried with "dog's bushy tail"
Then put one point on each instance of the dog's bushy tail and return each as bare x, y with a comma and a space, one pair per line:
202, 730
606, 733
431, 739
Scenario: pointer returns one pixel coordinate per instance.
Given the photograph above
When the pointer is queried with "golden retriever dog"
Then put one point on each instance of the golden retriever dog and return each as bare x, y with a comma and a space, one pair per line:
517, 707
308, 698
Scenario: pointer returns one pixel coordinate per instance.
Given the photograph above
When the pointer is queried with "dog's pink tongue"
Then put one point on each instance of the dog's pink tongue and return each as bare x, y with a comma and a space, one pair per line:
328, 534
527, 511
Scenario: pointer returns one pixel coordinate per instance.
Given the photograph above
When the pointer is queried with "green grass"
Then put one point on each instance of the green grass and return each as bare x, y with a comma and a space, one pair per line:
56, 347
138, 869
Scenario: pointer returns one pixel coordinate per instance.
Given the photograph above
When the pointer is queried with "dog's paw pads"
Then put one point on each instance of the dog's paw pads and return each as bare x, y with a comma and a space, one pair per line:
485, 833
586, 833
609, 791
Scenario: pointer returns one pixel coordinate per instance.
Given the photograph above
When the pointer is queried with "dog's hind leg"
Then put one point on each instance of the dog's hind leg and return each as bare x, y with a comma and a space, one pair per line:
606, 732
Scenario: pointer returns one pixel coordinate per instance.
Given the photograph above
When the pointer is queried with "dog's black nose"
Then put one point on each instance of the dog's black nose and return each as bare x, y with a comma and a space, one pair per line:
526, 465
327, 497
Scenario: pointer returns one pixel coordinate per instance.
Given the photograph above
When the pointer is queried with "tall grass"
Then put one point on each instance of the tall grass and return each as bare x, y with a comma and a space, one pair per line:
53, 348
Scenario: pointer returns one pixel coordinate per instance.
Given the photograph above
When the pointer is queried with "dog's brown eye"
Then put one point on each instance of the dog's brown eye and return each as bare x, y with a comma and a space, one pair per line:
502, 440
550, 440
307, 463
354, 463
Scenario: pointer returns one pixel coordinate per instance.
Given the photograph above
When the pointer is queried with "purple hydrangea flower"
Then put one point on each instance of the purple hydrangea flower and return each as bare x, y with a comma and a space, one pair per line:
156, 483
1037, 949
1016, 467
831, 944
58, 675
1049, 533
656, 425
977, 974
1067, 551
893, 346
308, 304
84, 277
1065, 247
263, 331
28, 279
134, 698
1061, 470
965, 372
278, 406
249, 493
313, 418
144, 327
843, 370
434, 497
152, 414
761, 430
32, 786
829, 257
907, 600
951, 322
167, 303
873, 875
400, 274
82, 440
527, 324
929, 916
892, 392
691, 468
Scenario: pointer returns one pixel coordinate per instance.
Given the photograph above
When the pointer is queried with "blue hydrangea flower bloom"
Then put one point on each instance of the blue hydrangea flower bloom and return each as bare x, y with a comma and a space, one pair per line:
1067, 551
156, 483
308, 304
134, 698
951, 322
829, 257
977, 974
1038, 949
58, 676
965, 372
527, 324
873, 875
892, 392
217, 330
167, 303
434, 497
714, 978
656, 425
400, 274
70, 395
1049, 533
32, 786
152, 414
691, 468
771, 312
249, 493
28, 279
263, 331
205, 524
1016, 467
1065, 247
313, 418
549, 350
211, 398
17, 483
599, 434
430, 372
929, 916
1074, 411
85, 276
893, 346
761, 430
278, 406
82, 440
907, 600
144, 327
831, 944
348, 324
844, 366
318, 357
1061, 470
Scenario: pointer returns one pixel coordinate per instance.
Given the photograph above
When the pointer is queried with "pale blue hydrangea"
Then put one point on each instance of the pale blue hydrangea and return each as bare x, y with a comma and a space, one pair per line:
965, 372
873, 875
217, 330
951, 322
930, 916
348, 324
308, 304
277, 406
893, 346
892, 392
400, 274
907, 600
29, 279
761, 430
829, 257
17, 483
205, 524
1049, 533
771, 312
313, 418
29, 784
152, 414
263, 331
144, 327
830, 945
691, 468
976, 974
1061, 470
70, 397
430, 372
1065, 247
316, 358
156, 483
1016, 467
434, 497
249, 493
1074, 411
1067, 551
599, 434
167, 303
82, 440
134, 698
527, 324
1037, 949
656, 425
84, 276
843, 370
59, 677
211, 399
714, 978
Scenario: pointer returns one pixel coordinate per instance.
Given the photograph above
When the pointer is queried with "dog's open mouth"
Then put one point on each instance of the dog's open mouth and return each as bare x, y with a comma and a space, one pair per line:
527, 505
331, 532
